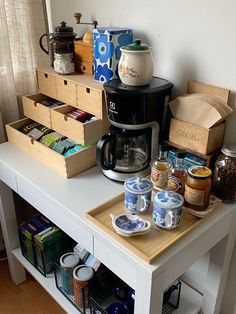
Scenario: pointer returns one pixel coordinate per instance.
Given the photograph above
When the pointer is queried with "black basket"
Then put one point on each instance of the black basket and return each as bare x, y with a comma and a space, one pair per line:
103, 290
102, 294
65, 283
44, 258
171, 298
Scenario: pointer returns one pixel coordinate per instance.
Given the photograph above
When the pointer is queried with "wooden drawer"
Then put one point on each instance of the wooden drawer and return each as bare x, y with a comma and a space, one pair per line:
66, 91
36, 111
83, 133
90, 100
84, 67
65, 166
83, 51
46, 84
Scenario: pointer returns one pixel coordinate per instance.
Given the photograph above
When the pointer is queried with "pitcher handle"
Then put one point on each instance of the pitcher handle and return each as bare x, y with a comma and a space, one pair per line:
41, 43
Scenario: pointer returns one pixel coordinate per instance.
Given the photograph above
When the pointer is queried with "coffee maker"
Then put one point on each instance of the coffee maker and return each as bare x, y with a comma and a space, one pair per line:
139, 117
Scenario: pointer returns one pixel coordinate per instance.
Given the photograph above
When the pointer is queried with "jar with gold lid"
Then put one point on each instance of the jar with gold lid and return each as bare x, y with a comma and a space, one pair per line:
198, 188
224, 176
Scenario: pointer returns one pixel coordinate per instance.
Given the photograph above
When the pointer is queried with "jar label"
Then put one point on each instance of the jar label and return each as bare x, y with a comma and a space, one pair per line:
175, 184
194, 197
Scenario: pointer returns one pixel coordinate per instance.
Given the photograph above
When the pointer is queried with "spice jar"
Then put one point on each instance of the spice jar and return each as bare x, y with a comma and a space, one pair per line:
198, 188
64, 63
224, 175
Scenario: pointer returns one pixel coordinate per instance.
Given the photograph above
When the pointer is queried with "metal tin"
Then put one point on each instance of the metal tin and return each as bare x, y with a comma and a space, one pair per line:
167, 209
81, 275
68, 262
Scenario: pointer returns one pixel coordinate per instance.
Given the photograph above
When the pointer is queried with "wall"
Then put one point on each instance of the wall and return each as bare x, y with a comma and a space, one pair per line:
191, 40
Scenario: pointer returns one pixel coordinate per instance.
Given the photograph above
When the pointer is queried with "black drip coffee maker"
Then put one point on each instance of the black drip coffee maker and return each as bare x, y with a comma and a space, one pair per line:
139, 117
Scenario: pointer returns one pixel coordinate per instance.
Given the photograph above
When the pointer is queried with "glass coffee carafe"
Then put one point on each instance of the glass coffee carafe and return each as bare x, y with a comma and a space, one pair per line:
125, 151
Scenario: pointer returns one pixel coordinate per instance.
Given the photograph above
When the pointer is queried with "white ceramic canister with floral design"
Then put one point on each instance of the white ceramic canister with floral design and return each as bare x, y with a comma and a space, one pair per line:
136, 64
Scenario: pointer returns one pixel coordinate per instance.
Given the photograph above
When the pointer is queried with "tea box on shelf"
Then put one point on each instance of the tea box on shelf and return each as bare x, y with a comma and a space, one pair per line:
106, 48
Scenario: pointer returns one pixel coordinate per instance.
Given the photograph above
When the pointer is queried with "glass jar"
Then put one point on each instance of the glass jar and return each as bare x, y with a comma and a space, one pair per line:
224, 175
64, 63
198, 188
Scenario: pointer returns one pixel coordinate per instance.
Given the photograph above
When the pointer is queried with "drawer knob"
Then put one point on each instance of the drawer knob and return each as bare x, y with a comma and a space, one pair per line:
45, 74
87, 90
65, 82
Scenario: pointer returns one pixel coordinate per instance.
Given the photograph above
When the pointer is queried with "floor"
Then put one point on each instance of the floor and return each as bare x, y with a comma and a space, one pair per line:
26, 298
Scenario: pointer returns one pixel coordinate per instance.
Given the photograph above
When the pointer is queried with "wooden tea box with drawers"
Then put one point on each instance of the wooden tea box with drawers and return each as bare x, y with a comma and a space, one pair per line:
64, 166
76, 91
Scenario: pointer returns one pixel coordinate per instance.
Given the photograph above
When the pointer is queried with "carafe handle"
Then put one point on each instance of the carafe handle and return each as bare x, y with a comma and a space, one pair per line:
41, 43
100, 154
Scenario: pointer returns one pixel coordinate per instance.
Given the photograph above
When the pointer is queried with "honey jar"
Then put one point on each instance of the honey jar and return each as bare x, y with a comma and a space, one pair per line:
198, 188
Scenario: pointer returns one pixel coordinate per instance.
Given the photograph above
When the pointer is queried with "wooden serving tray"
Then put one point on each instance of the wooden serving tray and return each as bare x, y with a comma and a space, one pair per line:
148, 246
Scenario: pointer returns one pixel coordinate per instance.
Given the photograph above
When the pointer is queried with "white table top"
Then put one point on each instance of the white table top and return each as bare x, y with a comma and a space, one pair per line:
79, 194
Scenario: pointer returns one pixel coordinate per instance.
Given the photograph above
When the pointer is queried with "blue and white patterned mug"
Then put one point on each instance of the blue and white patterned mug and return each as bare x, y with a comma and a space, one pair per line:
138, 192
167, 209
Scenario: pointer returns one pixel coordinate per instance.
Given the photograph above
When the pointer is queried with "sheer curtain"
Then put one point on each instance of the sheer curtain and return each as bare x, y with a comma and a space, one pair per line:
22, 22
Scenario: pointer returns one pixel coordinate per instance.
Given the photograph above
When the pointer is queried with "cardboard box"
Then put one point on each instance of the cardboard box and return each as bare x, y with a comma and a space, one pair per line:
196, 138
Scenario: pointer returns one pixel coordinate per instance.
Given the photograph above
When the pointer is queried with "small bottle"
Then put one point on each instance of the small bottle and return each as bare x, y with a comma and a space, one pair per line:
159, 170
177, 174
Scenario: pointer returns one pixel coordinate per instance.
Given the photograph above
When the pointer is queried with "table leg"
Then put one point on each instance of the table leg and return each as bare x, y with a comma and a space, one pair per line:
217, 272
10, 232
148, 293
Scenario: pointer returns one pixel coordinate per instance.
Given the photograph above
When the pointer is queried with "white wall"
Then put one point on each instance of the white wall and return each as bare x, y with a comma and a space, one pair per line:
191, 40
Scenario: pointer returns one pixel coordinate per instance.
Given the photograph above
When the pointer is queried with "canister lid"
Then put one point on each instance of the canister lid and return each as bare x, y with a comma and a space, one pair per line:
138, 185
64, 31
168, 199
69, 260
83, 272
136, 46
199, 172
113, 30
229, 150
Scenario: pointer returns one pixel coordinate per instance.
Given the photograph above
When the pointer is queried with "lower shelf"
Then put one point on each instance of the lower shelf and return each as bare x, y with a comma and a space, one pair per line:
47, 283
190, 300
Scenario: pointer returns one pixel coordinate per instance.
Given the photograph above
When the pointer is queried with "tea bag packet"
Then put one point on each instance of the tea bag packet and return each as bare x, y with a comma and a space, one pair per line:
37, 132
92, 118
28, 127
79, 115
75, 149
63, 145
58, 147
50, 138
51, 103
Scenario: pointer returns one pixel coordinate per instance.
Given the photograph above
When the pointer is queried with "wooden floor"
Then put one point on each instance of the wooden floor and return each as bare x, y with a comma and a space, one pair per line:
26, 298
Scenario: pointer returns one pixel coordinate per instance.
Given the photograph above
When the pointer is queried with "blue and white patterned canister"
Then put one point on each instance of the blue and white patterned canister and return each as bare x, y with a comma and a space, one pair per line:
107, 43
138, 194
167, 209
